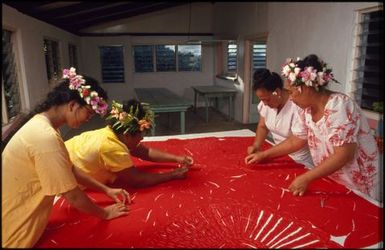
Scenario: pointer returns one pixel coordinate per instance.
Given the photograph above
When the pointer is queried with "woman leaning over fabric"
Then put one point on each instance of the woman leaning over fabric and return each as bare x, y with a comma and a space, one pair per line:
36, 166
106, 153
335, 129
276, 112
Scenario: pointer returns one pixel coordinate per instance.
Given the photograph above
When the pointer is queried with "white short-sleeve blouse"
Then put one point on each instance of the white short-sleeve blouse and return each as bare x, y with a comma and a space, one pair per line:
281, 124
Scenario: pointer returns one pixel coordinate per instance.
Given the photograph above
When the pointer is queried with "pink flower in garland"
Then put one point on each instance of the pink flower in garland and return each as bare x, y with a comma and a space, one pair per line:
97, 103
77, 82
309, 76
102, 109
69, 73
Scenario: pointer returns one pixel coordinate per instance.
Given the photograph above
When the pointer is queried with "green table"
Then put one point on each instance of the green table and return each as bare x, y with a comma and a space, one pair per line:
163, 100
213, 91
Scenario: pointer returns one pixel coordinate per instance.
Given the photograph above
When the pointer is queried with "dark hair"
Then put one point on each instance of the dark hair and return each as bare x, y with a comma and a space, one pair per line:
59, 95
265, 79
310, 61
127, 106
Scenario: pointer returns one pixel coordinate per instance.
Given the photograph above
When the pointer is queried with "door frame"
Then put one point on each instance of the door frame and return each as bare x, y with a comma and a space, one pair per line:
248, 66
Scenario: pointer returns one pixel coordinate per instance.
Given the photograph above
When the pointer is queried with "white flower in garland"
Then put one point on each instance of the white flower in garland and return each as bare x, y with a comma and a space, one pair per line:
308, 76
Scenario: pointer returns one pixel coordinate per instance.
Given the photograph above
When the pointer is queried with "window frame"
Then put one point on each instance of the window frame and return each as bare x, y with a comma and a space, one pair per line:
263, 41
154, 58
23, 102
354, 87
51, 77
123, 80
73, 54
228, 71
201, 61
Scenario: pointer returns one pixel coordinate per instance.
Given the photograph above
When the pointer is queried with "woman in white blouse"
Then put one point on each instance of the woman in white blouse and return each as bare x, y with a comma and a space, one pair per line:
276, 116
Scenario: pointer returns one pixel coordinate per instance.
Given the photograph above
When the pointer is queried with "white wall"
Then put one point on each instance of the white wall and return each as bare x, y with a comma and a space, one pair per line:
240, 18
30, 33
325, 29
295, 30
171, 20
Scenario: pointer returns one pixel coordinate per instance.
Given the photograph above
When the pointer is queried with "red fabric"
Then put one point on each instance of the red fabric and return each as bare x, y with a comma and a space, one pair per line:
223, 203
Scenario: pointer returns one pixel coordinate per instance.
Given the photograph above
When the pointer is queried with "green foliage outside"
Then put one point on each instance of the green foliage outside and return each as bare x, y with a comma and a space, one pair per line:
378, 107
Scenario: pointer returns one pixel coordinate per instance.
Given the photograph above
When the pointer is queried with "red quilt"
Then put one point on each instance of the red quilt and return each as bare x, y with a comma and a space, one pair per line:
224, 204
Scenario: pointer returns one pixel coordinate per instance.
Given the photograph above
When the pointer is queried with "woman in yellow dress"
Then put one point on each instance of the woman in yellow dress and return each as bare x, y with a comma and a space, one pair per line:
105, 154
36, 166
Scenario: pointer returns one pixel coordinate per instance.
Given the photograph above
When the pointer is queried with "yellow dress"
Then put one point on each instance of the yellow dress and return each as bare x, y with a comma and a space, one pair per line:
99, 153
35, 168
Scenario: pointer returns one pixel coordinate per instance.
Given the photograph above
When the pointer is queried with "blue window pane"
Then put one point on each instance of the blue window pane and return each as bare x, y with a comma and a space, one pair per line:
232, 57
189, 57
143, 58
165, 58
112, 61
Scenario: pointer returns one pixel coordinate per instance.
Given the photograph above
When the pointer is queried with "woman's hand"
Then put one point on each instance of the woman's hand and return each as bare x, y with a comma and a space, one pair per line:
299, 185
251, 149
255, 157
114, 193
185, 160
115, 210
180, 173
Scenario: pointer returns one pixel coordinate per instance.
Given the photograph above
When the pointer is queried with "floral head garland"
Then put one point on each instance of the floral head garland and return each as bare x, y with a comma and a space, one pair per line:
130, 121
91, 98
308, 76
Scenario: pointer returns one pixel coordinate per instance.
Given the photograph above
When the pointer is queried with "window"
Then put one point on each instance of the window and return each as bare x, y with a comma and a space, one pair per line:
368, 77
259, 55
189, 57
144, 58
52, 60
232, 57
72, 51
111, 58
11, 104
165, 58
147, 58
259, 60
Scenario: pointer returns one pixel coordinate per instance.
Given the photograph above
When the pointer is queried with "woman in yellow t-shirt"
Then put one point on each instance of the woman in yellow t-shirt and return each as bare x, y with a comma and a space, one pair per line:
36, 166
105, 154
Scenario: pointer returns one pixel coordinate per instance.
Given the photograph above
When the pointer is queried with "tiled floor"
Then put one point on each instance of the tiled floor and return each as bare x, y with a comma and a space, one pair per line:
169, 123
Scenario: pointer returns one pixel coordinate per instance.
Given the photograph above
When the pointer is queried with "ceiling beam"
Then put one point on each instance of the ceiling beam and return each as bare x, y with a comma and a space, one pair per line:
83, 7
75, 16
92, 20
55, 5
26, 6
102, 10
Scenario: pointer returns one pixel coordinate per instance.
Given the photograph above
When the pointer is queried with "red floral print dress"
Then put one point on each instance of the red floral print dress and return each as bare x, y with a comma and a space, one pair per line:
343, 122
